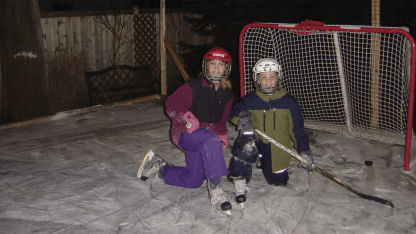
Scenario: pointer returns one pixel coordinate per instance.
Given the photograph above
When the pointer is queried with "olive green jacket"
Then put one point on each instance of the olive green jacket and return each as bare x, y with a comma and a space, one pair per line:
279, 116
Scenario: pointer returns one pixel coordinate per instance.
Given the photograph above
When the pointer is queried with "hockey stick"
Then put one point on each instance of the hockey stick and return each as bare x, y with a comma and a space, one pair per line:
176, 60
324, 173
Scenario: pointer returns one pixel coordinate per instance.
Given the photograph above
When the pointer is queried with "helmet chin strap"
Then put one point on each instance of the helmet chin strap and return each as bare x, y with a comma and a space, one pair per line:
269, 91
215, 79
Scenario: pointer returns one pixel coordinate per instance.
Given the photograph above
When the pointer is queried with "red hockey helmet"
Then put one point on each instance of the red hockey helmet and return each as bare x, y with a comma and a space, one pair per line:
220, 54
217, 53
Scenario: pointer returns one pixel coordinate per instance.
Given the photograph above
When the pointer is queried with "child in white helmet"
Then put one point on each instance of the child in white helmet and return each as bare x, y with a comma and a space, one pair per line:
272, 110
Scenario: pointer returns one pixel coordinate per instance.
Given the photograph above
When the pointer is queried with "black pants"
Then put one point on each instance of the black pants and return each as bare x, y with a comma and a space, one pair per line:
266, 165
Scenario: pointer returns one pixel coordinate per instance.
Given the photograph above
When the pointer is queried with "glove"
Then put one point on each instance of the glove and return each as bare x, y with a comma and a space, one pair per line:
192, 123
224, 139
245, 122
309, 161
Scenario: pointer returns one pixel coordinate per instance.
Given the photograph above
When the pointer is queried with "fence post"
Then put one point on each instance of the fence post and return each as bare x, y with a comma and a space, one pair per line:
136, 33
375, 44
162, 48
375, 13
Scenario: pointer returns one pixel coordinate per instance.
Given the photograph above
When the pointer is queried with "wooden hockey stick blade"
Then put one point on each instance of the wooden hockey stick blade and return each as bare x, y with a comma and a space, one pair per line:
362, 195
324, 173
176, 60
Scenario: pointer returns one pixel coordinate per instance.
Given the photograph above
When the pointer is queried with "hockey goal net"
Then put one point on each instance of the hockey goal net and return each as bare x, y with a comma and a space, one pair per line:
351, 80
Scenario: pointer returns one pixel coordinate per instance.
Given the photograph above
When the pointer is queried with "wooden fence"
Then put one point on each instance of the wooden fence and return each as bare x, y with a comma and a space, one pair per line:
80, 32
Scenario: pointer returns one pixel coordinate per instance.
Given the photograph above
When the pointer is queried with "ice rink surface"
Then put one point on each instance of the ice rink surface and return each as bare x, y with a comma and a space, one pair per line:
77, 174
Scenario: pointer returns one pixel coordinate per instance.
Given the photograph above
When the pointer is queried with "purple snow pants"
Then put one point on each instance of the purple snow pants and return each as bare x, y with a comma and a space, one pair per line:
204, 159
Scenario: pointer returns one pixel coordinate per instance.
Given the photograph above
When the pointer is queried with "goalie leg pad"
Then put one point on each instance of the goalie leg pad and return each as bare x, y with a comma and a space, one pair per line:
245, 148
238, 170
245, 153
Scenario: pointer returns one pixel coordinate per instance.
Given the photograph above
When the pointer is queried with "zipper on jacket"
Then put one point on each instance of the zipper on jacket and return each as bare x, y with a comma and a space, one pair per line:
274, 119
264, 120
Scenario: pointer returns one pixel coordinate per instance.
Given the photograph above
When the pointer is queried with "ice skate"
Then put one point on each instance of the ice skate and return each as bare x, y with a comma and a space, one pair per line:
241, 191
150, 166
219, 201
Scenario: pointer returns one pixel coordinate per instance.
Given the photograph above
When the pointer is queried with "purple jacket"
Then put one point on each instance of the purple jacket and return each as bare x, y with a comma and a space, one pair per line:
179, 103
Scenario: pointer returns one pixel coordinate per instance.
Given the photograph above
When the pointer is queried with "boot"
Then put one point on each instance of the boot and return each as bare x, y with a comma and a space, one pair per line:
153, 166
219, 200
241, 191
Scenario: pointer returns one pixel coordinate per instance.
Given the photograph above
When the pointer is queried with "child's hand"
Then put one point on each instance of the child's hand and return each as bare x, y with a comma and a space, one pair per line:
309, 161
192, 123
245, 122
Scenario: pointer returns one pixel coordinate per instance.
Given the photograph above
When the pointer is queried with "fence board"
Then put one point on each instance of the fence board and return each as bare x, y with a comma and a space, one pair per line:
69, 33
77, 34
46, 27
54, 34
92, 64
83, 37
98, 47
129, 48
62, 27
104, 41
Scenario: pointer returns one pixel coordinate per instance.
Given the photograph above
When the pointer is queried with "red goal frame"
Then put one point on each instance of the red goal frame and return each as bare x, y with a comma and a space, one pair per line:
345, 28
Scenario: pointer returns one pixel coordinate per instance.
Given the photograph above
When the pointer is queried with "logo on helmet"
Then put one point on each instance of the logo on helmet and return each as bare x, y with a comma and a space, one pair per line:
219, 55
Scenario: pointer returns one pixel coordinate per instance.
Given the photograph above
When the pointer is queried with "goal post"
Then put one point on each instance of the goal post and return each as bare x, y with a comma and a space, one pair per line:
352, 80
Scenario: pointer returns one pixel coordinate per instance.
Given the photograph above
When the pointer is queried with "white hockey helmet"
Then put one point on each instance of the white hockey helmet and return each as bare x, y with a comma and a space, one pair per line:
220, 54
267, 65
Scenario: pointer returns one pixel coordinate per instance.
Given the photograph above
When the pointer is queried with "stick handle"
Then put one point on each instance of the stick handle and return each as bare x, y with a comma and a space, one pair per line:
294, 154
176, 60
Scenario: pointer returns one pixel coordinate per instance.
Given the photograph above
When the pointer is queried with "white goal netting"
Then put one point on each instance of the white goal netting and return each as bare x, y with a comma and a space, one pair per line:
348, 81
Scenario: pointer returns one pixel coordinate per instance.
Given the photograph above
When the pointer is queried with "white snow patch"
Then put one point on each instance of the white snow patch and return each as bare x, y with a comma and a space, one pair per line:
26, 55
60, 115
386, 190
331, 142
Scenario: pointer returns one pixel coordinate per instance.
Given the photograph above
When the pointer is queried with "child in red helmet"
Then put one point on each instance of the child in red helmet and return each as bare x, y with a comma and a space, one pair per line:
199, 111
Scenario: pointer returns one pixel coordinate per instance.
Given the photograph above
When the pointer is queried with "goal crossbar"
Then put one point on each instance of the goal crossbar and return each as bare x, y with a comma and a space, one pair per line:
352, 80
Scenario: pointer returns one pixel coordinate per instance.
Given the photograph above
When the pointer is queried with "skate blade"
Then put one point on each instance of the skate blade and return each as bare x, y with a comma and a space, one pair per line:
149, 155
242, 205
226, 212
